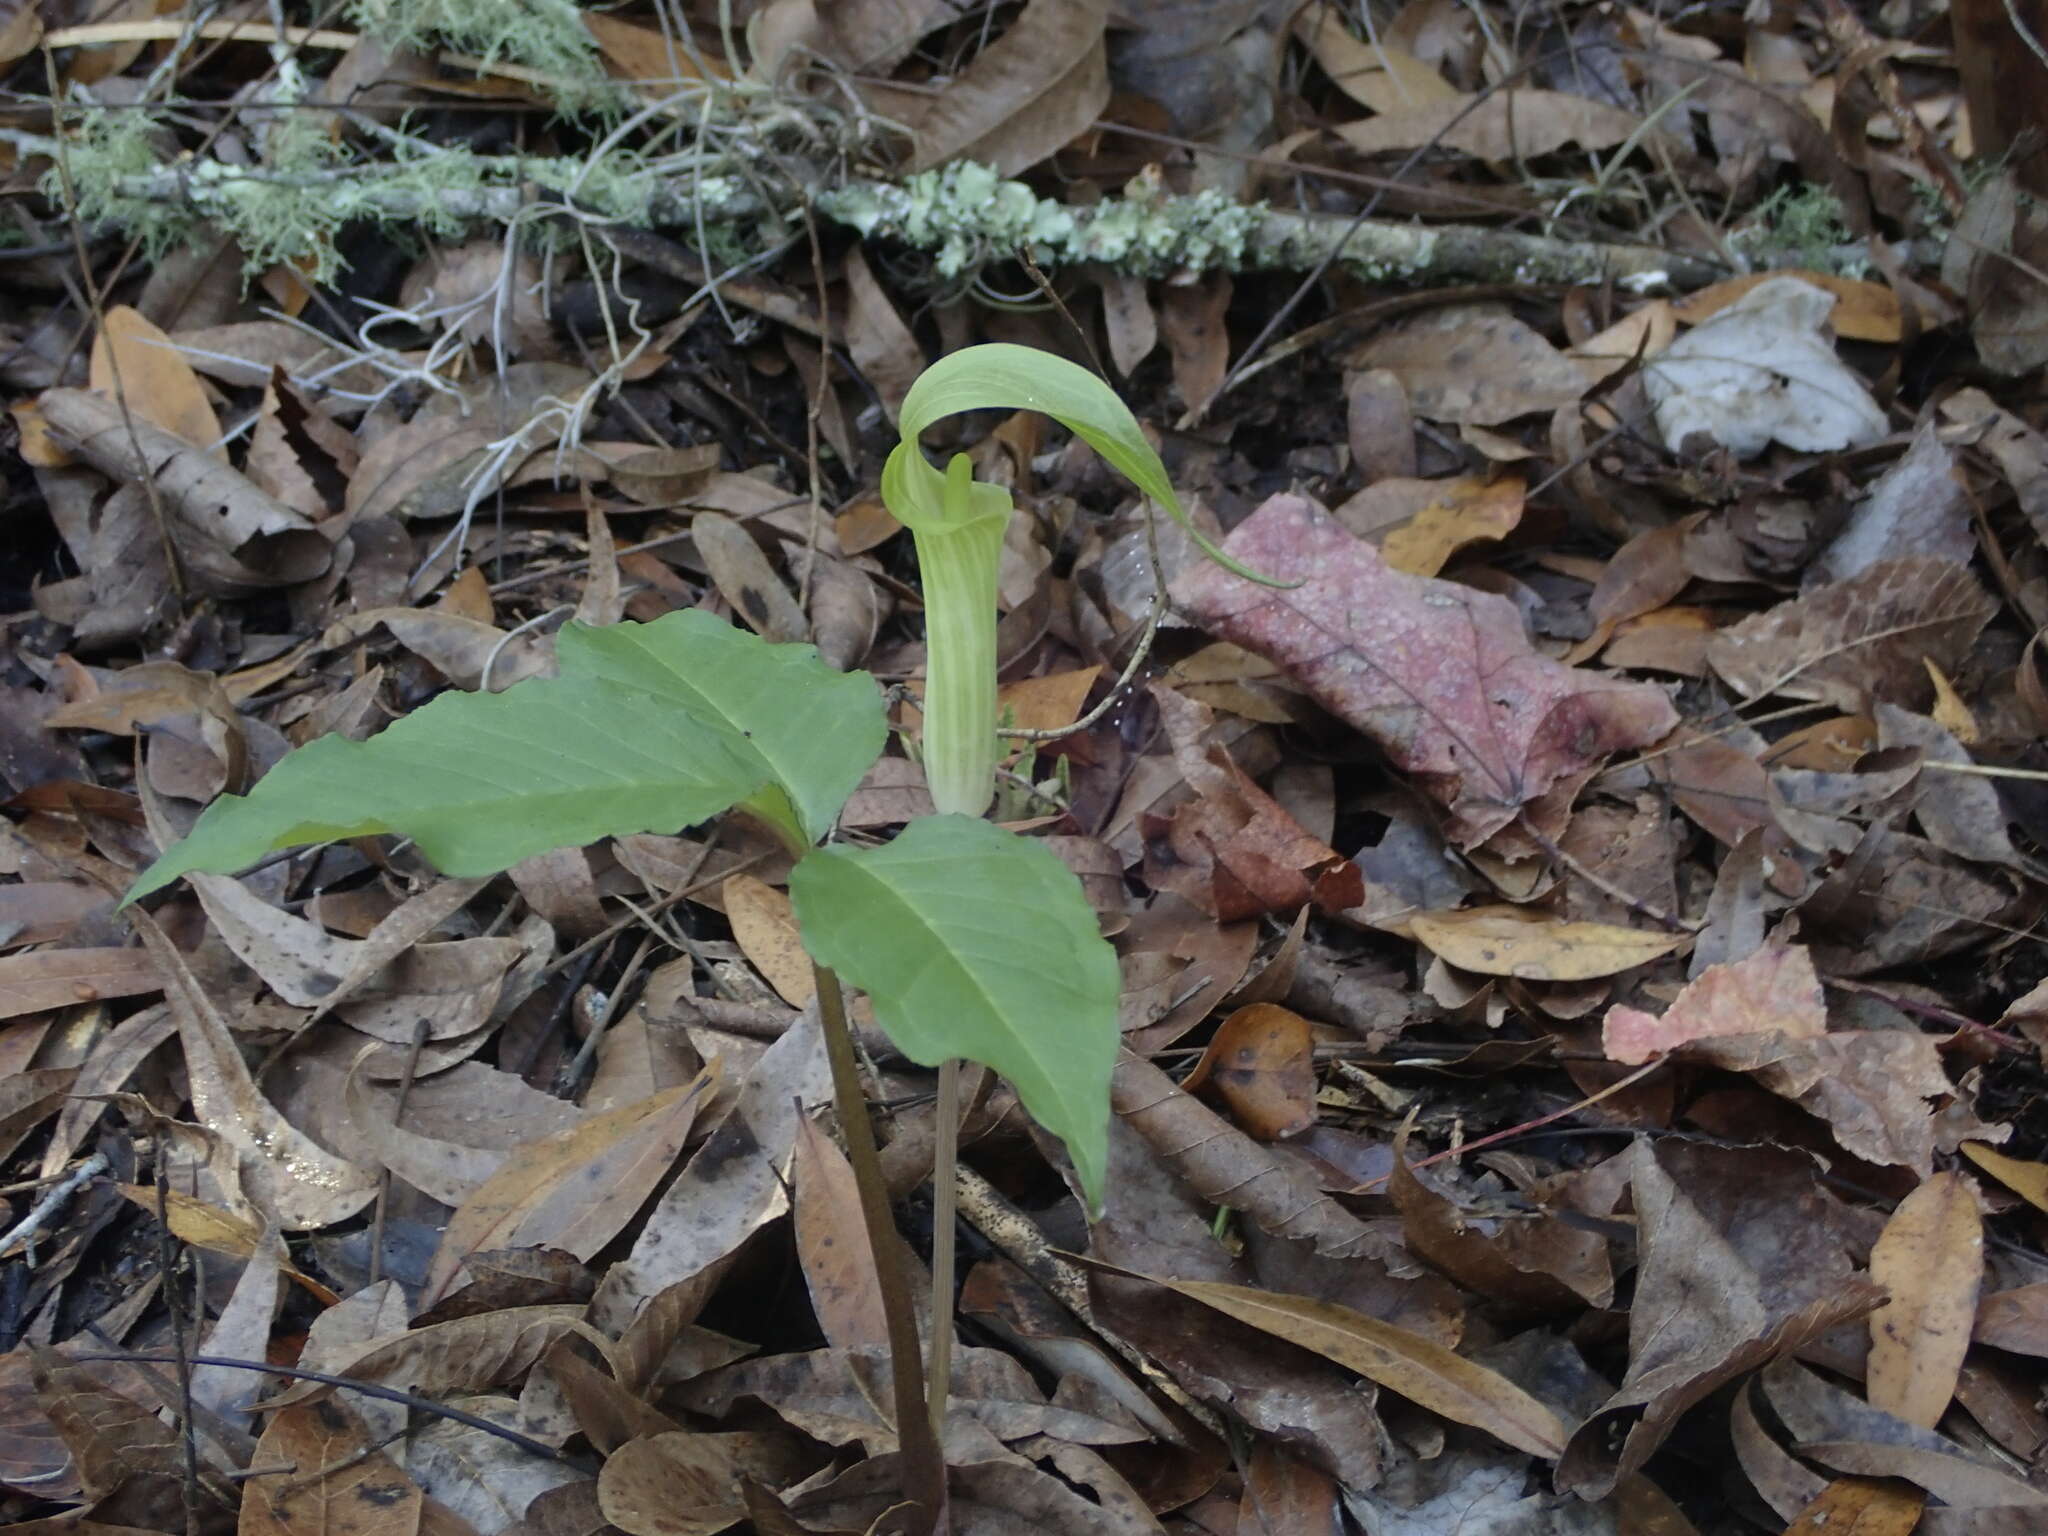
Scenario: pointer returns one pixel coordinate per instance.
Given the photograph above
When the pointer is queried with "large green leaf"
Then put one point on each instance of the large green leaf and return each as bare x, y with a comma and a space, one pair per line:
972, 941
649, 727
815, 730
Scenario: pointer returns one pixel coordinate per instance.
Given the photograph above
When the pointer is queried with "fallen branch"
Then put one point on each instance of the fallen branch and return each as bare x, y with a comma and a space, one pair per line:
963, 214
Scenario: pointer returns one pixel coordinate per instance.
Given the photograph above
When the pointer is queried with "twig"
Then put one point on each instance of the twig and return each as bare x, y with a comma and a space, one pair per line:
347, 1383
23, 1233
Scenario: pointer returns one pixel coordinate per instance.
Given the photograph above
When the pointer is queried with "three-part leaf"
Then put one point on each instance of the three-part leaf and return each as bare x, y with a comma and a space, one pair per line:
972, 941
649, 727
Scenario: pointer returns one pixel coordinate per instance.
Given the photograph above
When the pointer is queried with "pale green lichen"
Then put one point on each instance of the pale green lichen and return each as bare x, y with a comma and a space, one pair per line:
1800, 226
544, 35
291, 210
967, 215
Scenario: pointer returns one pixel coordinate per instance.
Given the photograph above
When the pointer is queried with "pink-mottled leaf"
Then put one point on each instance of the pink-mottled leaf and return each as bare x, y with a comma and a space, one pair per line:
1442, 676
1773, 989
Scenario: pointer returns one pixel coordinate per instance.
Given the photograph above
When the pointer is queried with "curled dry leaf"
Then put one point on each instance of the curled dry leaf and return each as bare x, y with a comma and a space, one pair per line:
1228, 1167
1930, 1257
1702, 1314
1441, 676
229, 534
1763, 369
296, 1181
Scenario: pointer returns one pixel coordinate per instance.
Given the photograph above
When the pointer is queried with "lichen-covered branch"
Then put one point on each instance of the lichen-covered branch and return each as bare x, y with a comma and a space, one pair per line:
963, 214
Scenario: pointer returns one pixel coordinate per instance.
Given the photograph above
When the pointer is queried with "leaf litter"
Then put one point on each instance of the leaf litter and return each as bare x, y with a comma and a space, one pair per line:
1582, 1041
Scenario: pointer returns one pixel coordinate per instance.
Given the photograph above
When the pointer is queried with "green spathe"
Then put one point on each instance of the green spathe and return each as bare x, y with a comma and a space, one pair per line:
649, 727
972, 941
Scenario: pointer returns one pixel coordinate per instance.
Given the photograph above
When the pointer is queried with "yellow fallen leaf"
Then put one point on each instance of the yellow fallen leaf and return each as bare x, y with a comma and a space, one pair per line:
1950, 712
200, 1225
764, 926
2027, 1180
1863, 311
1466, 510
1504, 941
1930, 1257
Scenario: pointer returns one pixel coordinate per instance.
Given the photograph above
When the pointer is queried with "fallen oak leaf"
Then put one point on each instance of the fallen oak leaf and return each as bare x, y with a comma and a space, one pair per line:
1855, 642
1441, 676
1775, 988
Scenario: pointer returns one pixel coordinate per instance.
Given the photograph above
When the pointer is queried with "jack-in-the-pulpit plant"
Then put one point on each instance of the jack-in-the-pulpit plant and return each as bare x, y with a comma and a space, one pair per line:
970, 941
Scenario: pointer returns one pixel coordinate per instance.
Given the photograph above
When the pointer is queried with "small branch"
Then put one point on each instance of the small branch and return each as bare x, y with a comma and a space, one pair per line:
23, 1233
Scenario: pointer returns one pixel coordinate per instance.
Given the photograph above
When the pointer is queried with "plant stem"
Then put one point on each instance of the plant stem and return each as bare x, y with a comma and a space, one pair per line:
924, 1465
938, 1372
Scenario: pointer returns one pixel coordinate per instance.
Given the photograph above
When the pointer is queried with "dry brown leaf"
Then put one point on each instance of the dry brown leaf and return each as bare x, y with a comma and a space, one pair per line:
574, 1190
1227, 1167
1861, 1506
1863, 311
832, 1244
1930, 1257
346, 1487
133, 361
1475, 364
881, 345
295, 1180
675, 1484
1418, 1368
1775, 988
1703, 1314
1512, 941
208, 1226
1510, 125
733, 1186
764, 925
229, 534
1191, 318
63, 978
746, 579
1262, 1067
2016, 1319
1376, 75
1441, 676
1859, 641
464, 1354
1025, 95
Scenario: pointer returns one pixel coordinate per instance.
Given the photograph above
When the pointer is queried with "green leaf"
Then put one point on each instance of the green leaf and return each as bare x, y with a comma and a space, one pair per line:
815, 730
972, 941
1004, 376
649, 727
